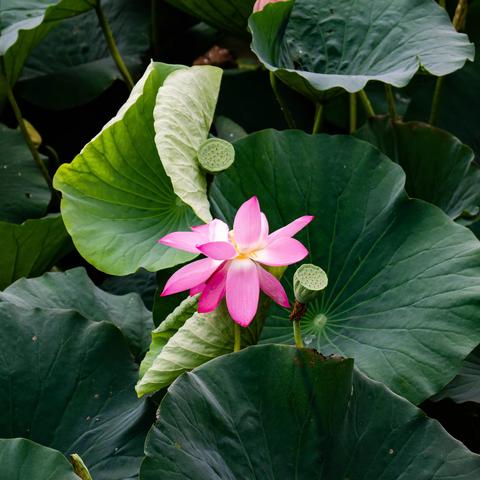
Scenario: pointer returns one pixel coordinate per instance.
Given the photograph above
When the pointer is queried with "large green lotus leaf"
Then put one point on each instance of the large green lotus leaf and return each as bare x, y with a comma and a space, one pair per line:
22, 459
24, 193
229, 15
187, 339
23, 24
439, 168
31, 248
316, 45
142, 282
273, 412
73, 64
460, 97
117, 199
403, 289
183, 116
465, 387
67, 383
73, 290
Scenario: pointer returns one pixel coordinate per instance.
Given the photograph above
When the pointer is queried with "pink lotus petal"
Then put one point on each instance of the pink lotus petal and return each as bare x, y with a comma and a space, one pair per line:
263, 231
292, 228
197, 289
260, 4
218, 250
272, 287
243, 290
203, 229
282, 251
190, 276
214, 290
247, 225
218, 231
186, 241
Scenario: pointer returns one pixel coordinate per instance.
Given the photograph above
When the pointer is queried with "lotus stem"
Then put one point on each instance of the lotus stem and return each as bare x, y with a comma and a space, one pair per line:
353, 113
443, 3
238, 337
436, 102
318, 118
458, 20
392, 110
366, 103
107, 32
23, 128
296, 315
283, 106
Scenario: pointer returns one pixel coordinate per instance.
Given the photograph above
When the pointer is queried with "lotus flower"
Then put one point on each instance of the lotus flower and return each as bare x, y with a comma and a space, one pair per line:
260, 4
233, 267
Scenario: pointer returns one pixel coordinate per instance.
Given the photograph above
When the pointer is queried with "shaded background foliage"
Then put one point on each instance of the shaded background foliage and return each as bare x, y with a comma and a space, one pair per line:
70, 88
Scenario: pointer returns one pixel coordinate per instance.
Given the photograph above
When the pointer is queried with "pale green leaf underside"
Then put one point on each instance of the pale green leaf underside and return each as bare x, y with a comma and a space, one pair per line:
188, 340
317, 45
117, 199
402, 297
23, 24
183, 116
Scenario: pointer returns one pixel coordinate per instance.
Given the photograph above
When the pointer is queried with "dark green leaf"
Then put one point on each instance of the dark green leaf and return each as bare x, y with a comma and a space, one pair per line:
24, 193
73, 64
73, 290
229, 15
315, 46
439, 168
465, 387
21, 459
23, 24
141, 282
30, 249
274, 412
403, 289
67, 383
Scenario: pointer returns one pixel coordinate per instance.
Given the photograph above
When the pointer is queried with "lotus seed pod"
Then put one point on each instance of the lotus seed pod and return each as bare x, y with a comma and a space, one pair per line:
216, 155
308, 281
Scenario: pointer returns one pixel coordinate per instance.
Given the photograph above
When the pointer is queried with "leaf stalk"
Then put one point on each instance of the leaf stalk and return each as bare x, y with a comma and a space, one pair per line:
112, 46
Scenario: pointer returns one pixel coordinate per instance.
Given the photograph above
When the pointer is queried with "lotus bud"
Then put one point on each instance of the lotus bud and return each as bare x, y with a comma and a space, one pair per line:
308, 281
260, 4
215, 155
33, 133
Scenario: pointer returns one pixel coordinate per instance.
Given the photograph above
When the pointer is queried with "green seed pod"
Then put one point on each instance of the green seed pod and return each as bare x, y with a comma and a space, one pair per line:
215, 155
308, 281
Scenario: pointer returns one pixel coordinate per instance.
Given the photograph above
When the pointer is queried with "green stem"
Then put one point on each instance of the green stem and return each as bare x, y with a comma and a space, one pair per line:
436, 101
366, 103
107, 32
318, 118
297, 333
353, 113
443, 3
238, 337
26, 136
283, 106
392, 110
